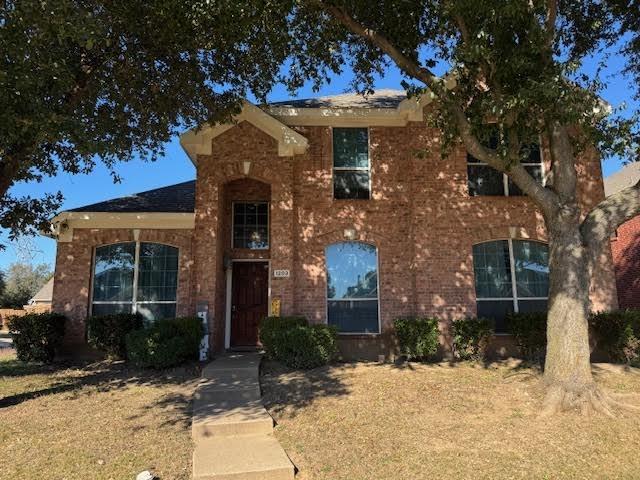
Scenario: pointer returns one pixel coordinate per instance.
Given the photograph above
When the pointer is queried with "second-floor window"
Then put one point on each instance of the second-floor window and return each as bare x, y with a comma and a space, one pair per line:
485, 180
351, 164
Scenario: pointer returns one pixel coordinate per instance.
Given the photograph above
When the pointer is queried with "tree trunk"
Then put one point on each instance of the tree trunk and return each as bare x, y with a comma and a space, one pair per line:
567, 372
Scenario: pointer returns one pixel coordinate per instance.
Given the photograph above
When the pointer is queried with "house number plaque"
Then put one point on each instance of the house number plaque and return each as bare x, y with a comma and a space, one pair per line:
281, 274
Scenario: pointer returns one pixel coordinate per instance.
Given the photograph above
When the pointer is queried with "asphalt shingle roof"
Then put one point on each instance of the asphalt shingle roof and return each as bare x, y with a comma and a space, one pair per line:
625, 177
179, 198
385, 98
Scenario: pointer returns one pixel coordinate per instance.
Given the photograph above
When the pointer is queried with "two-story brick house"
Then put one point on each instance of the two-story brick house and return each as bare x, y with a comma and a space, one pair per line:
341, 209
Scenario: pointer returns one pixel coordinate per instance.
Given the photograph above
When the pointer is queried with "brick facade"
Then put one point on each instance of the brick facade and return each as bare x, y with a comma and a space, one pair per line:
420, 217
626, 258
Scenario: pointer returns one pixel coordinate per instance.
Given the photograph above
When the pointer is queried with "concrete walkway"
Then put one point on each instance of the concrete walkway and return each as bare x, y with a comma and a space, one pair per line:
232, 430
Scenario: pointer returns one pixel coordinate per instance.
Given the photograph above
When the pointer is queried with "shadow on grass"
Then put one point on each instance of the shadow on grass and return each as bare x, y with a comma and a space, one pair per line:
104, 376
289, 390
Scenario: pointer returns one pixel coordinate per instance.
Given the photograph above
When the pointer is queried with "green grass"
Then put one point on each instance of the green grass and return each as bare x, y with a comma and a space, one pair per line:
98, 421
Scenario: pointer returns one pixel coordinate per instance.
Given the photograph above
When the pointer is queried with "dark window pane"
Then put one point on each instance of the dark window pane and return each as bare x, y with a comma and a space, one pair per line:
350, 184
352, 270
484, 180
529, 306
535, 171
354, 316
251, 228
99, 309
531, 153
532, 268
350, 147
156, 311
158, 272
492, 269
113, 272
495, 310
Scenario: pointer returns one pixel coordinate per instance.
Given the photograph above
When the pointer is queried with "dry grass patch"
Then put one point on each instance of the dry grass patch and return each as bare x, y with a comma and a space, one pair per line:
463, 421
100, 421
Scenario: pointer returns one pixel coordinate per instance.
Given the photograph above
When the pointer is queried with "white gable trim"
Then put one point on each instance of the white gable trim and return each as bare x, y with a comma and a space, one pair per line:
198, 142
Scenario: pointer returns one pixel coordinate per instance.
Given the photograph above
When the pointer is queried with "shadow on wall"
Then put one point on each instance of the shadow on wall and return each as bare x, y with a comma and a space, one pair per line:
628, 271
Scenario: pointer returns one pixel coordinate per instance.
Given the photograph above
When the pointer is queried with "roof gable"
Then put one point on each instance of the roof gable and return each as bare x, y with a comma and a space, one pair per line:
198, 141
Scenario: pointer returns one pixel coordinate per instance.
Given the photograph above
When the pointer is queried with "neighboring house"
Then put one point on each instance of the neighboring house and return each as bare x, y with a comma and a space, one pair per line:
44, 297
340, 209
625, 246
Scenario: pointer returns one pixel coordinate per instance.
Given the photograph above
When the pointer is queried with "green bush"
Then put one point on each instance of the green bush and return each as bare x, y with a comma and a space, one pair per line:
271, 329
308, 346
418, 337
618, 334
471, 336
108, 332
165, 343
37, 336
530, 333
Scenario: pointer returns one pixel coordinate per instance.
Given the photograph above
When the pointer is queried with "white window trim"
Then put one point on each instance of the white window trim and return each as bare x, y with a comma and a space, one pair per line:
515, 298
327, 299
505, 177
233, 219
350, 169
134, 301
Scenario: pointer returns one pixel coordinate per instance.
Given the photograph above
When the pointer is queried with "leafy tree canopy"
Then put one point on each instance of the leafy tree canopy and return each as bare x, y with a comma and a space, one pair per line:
22, 281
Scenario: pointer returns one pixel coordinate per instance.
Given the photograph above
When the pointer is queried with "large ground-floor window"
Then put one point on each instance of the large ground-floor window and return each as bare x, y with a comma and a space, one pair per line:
135, 277
510, 276
352, 287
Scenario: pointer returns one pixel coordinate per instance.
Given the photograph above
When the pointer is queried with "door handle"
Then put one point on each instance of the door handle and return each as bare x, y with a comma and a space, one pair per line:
233, 308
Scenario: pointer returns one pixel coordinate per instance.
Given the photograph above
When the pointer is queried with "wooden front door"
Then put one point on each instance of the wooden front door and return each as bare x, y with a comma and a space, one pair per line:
249, 301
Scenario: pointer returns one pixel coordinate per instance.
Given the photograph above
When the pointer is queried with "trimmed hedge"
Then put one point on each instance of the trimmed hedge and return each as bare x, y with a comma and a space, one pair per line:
108, 332
165, 343
618, 334
292, 341
37, 336
471, 336
417, 337
271, 331
530, 333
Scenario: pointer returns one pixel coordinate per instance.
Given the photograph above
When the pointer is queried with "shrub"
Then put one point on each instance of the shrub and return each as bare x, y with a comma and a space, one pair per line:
271, 329
618, 334
165, 343
471, 337
108, 332
418, 337
37, 336
306, 346
530, 333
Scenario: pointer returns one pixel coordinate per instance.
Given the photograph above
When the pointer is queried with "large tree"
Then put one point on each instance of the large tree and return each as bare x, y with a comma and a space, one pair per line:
83, 81
518, 65
22, 282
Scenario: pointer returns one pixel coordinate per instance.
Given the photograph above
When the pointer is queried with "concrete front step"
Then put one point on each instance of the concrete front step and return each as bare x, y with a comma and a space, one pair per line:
242, 457
238, 361
239, 412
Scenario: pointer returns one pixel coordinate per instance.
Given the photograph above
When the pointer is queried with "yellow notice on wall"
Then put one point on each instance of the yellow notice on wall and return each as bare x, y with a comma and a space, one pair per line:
275, 307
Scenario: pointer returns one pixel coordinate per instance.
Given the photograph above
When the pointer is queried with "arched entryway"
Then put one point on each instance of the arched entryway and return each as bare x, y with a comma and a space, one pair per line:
246, 245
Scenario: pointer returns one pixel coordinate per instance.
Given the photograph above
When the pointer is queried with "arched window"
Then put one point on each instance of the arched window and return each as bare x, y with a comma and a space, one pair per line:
352, 287
510, 276
135, 277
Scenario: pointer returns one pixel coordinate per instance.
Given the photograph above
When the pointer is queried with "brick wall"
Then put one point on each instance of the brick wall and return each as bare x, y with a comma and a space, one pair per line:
72, 284
626, 258
420, 218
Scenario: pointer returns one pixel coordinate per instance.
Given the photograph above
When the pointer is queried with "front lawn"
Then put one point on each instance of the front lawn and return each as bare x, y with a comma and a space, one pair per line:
98, 421
372, 421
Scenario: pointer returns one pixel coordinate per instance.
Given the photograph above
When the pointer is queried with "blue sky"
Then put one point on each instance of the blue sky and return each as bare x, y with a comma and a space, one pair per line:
176, 167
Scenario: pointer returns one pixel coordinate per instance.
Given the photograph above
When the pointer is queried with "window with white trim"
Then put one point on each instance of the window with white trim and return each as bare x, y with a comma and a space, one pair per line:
510, 276
251, 225
485, 180
351, 164
352, 287
135, 277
